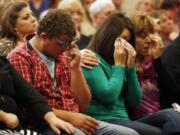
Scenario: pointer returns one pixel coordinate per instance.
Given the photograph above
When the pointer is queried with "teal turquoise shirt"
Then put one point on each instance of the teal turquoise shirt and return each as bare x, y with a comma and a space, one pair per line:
108, 94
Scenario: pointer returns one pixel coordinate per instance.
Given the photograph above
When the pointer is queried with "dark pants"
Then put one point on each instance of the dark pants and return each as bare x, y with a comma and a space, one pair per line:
44, 129
48, 131
165, 122
168, 120
141, 128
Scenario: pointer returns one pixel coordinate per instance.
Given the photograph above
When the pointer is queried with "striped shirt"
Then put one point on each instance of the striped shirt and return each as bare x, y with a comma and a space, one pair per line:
21, 132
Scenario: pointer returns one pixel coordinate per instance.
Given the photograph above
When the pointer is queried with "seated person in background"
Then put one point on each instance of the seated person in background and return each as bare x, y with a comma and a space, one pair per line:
172, 7
148, 47
87, 27
171, 65
50, 60
100, 10
145, 6
166, 24
16, 22
117, 80
75, 9
16, 93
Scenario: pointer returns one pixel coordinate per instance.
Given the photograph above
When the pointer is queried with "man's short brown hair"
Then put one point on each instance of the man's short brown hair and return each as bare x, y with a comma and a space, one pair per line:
57, 22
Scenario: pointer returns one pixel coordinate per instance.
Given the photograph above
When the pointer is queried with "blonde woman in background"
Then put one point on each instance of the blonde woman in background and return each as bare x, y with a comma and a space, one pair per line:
166, 24
75, 9
87, 27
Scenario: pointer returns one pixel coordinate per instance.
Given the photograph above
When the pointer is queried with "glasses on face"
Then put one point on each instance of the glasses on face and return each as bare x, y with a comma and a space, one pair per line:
65, 43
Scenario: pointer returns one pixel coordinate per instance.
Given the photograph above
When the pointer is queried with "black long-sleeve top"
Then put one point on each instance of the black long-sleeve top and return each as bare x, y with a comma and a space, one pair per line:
13, 85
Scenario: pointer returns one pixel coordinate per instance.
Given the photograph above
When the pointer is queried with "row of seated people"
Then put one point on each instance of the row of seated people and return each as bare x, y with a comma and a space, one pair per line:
50, 61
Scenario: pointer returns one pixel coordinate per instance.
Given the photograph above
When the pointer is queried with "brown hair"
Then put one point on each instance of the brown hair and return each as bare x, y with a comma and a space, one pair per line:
57, 22
142, 23
103, 41
9, 16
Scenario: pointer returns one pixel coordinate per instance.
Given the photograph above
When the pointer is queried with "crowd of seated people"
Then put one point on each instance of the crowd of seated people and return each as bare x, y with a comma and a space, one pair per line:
87, 67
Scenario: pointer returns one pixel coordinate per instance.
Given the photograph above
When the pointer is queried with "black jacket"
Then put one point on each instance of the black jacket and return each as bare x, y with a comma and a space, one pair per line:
13, 85
170, 60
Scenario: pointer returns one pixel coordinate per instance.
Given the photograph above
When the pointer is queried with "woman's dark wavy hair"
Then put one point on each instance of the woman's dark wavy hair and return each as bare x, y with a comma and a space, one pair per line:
103, 41
8, 20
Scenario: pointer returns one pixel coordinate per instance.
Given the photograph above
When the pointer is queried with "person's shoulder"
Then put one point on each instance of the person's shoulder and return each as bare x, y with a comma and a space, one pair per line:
19, 51
174, 46
6, 45
171, 53
5, 40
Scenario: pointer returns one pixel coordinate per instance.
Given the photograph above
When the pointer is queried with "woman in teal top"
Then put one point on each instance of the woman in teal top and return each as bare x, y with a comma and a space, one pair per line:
107, 82
113, 81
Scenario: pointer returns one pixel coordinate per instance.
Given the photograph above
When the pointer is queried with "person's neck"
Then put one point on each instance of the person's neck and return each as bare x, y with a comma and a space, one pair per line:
19, 42
36, 43
118, 8
140, 58
165, 36
20, 39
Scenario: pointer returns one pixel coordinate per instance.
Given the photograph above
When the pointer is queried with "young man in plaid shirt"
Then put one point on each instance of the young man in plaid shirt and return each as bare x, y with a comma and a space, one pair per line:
51, 62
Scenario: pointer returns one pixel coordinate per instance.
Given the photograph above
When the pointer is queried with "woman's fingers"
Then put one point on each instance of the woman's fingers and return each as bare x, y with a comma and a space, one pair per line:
70, 128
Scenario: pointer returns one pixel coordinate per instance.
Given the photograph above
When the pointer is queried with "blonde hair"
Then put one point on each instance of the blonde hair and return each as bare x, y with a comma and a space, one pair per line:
142, 22
71, 5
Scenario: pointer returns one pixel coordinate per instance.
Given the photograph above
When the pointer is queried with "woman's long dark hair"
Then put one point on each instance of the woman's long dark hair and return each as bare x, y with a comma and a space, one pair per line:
103, 41
8, 20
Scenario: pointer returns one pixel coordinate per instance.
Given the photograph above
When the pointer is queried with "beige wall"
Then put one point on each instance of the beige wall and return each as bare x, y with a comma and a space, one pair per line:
129, 5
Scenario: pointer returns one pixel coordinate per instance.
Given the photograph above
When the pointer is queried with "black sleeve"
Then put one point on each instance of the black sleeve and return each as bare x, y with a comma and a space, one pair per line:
169, 77
168, 89
28, 96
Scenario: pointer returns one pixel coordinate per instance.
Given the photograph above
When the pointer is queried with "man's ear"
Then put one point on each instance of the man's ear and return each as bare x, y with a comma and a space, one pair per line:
43, 36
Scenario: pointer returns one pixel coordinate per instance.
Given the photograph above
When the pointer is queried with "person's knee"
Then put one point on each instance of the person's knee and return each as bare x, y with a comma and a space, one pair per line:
113, 129
132, 132
125, 131
78, 132
170, 114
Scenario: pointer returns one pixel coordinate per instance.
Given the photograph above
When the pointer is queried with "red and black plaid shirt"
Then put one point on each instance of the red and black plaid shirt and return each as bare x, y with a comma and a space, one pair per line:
27, 61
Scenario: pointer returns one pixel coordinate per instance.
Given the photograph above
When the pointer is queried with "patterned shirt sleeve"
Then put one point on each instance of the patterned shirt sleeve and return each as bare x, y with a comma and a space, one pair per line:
21, 64
5, 47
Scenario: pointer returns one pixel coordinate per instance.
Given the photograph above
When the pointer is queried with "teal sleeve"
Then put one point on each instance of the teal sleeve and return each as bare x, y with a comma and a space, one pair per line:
134, 92
105, 89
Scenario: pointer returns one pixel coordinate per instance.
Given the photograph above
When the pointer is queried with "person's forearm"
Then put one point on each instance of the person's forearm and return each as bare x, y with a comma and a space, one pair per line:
48, 116
134, 91
2, 114
80, 89
64, 115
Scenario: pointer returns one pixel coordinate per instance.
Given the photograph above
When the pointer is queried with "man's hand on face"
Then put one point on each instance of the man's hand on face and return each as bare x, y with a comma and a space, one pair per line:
74, 56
